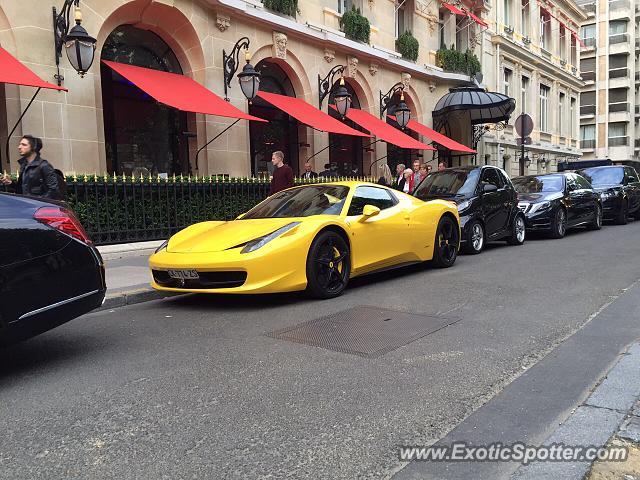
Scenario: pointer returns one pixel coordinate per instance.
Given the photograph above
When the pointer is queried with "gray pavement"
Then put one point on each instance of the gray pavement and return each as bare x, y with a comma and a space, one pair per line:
190, 386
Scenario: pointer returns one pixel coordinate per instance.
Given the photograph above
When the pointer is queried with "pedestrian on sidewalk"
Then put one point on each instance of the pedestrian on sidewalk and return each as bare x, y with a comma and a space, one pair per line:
282, 175
36, 178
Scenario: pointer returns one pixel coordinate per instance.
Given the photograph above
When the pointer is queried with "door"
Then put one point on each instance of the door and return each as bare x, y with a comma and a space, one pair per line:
582, 198
377, 241
494, 210
633, 188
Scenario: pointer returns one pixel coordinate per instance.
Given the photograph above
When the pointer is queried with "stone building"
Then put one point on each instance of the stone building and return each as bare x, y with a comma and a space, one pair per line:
531, 53
105, 124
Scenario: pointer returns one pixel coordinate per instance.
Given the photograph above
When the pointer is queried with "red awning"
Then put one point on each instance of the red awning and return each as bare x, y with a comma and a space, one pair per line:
439, 138
309, 115
384, 131
454, 10
477, 19
179, 91
14, 72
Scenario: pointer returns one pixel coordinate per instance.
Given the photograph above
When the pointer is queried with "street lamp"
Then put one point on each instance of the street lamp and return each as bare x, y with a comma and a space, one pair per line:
78, 44
342, 97
249, 78
400, 110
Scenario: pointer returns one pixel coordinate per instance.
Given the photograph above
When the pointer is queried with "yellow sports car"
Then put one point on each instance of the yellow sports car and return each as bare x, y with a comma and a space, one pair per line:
314, 237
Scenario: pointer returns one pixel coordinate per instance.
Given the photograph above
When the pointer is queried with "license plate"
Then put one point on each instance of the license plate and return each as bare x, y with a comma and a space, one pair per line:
184, 274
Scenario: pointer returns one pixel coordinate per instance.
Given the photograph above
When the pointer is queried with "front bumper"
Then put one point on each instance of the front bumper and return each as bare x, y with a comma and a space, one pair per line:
264, 271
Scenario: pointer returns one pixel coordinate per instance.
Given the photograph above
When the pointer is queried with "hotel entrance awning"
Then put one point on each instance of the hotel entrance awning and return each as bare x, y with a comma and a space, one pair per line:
309, 115
179, 91
439, 138
384, 131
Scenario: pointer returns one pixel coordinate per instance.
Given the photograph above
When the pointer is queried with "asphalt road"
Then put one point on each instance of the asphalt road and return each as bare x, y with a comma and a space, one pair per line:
190, 387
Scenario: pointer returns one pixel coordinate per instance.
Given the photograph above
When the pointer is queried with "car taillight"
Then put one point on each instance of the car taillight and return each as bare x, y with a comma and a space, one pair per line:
62, 219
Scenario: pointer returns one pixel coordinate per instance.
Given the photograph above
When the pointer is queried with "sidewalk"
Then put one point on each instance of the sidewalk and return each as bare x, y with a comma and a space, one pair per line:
127, 273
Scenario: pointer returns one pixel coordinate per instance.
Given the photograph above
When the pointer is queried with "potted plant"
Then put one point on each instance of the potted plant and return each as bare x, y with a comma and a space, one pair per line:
355, 25
407, 45
285, 7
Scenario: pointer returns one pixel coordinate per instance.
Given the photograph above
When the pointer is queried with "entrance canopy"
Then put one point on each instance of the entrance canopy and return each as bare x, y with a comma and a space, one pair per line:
383, 130
439, 138
14, 72
179, 91
308, 114
480, 106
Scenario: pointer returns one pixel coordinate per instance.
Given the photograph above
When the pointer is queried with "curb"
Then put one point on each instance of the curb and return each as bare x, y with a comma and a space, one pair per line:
123, 250
131, 297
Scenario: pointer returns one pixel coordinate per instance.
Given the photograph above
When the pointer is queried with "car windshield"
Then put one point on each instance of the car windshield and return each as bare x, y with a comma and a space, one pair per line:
603, 176
302, 202
544, 183
448, 183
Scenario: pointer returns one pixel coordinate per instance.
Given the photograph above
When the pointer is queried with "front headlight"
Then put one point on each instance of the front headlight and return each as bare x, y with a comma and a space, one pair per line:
463, 205
163, 246
538, 207
260, 242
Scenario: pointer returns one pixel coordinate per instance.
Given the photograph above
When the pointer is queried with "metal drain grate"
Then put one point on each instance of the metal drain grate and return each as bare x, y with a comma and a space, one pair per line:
365, 331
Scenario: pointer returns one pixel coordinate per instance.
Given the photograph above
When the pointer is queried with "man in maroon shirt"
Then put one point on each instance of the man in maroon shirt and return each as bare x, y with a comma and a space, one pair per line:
282, 175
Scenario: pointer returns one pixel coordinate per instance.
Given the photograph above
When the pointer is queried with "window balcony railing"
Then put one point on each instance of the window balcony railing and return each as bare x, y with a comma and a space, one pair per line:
619, 73
588, 144
618, 141
589, 76
618, 107
589, 42
587, 109
618, 38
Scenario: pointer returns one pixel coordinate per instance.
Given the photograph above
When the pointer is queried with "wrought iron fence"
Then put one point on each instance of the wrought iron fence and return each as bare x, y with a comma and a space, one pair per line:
118, 209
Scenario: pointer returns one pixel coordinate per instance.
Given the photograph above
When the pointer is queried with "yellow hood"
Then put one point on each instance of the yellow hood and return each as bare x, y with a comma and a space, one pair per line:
218, 236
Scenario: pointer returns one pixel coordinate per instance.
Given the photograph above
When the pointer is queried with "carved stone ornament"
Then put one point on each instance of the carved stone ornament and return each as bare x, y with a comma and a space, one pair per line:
432, 86
280, 45
373, 69
222, 22
329, 55
405, 78
352, 67
433, 21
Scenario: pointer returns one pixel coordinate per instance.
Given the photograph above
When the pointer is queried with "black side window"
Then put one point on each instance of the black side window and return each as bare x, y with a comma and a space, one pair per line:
583, 182
631, 174
505, 180
572, 184
378, 197
491, 175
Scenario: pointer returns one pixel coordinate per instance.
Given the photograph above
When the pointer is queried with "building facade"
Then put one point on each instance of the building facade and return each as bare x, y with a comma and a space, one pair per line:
610, 65
531, 53
104, 124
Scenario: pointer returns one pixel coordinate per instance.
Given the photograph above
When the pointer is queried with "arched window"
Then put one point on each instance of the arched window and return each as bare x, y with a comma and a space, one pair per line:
142, 136
281, 133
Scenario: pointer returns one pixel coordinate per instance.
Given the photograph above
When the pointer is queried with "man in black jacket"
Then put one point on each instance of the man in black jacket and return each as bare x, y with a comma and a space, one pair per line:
36, 178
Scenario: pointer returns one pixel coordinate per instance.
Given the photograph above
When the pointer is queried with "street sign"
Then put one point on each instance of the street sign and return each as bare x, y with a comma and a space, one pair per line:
524, 125
523, 141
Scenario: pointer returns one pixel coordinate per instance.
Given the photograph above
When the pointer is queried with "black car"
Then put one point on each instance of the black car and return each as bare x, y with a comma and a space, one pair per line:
487, 203
50, 272
619, 190
556, 202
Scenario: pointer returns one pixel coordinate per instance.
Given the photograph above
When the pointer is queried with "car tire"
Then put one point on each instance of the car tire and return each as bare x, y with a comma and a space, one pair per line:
518, 230
445, 248
623, 214
559, 224
475, 238
328, 265
597, 221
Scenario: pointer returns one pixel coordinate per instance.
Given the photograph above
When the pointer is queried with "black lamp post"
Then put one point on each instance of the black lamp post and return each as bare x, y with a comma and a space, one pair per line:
342, 96
79, 45
249, 78
400, 110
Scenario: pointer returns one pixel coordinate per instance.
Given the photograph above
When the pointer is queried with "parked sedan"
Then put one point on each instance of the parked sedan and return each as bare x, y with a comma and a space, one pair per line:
556, 202
50, 272
486, 201
619, 190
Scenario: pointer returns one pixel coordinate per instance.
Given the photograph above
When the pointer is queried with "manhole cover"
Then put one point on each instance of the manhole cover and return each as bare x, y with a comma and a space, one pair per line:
363, 330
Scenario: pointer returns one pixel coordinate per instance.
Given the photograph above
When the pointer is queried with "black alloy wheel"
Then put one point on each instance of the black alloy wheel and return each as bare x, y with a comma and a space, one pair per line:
475, 238
445, 250
623, 213
518, 230
559, 224
596, 224
328, 265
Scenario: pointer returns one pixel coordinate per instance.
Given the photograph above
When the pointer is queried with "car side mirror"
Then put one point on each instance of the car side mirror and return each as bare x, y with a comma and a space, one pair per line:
489, 187
369, 211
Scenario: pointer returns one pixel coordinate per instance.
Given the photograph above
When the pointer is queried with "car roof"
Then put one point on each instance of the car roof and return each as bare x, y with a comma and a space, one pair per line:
601, 167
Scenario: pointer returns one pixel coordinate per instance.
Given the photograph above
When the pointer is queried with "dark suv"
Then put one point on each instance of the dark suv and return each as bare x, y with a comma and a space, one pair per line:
619, 190
486, 200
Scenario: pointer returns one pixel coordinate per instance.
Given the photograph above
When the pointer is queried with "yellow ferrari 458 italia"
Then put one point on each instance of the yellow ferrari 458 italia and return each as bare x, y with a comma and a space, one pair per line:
314, 237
